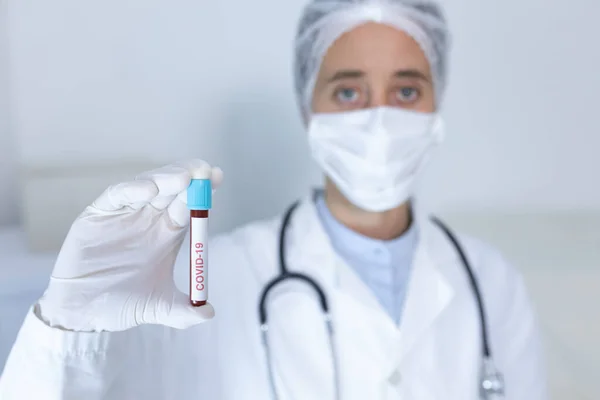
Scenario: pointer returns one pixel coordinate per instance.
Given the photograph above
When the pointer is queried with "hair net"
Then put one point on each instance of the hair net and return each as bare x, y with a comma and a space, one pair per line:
324, 21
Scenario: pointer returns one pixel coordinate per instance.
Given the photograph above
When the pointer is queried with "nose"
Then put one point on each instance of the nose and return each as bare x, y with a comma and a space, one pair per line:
377, 98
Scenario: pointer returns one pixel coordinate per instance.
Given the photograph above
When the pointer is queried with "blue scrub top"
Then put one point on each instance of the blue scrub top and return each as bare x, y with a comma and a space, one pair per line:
383, 265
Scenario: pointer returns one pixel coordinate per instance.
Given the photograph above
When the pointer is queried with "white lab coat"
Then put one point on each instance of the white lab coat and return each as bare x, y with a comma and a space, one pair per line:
435, 354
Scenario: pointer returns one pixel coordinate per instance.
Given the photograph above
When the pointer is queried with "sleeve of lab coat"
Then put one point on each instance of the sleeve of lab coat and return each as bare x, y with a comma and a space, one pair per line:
146, 362
516, 341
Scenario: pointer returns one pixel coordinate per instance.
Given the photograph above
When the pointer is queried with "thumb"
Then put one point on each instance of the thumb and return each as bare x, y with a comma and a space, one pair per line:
182, 314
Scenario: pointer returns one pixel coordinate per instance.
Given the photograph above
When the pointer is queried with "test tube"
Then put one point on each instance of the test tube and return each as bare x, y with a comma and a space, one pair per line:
199, 201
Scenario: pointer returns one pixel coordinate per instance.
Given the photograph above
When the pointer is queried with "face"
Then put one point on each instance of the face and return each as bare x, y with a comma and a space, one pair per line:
374, 65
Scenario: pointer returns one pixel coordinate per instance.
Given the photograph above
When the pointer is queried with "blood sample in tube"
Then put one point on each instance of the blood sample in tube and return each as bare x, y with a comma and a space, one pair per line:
199, 201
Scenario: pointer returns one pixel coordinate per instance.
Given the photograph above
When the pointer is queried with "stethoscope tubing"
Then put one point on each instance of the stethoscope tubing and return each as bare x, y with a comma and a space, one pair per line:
490, 377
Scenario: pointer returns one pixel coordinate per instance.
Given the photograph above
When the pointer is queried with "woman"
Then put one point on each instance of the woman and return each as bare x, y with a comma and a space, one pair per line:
370, 76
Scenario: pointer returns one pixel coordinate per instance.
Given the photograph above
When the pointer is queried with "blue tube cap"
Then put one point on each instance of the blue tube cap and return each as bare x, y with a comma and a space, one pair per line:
199, 194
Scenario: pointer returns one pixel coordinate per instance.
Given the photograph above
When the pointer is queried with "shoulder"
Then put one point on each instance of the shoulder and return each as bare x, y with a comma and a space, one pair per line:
486, 261
504, 292
498, 277
255, 236
253, 244
500, 282
513, 326
257, 232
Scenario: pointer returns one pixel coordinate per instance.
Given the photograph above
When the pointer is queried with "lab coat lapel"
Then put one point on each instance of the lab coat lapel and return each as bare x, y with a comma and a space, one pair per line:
369, 343
430, 290
366, 338
313, 254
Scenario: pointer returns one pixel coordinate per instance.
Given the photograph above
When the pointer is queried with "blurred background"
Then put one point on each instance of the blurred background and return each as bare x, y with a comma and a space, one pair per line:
94, 92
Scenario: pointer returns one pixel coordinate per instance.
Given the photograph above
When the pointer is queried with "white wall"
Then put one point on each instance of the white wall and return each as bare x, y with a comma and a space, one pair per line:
8, 195
115, 80
522, 107
112, 80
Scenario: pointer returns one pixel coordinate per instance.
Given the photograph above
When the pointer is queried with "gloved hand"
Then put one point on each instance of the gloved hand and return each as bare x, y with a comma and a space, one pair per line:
115, 268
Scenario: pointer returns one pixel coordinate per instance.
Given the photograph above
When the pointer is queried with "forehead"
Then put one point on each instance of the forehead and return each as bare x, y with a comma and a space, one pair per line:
375, 46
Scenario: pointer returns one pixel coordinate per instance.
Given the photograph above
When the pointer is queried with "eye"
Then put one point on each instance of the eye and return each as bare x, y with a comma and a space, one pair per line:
346, 95
407, 94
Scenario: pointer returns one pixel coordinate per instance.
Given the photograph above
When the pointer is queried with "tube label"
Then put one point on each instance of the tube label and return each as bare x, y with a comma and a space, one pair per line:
198, 259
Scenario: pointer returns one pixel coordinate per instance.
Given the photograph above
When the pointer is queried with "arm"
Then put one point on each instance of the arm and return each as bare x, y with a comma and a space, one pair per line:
515, 337
105, 327
146, 362
49, 363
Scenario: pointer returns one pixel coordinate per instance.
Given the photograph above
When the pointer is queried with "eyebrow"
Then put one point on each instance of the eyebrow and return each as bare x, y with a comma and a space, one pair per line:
411, 73
345, 74
355, 73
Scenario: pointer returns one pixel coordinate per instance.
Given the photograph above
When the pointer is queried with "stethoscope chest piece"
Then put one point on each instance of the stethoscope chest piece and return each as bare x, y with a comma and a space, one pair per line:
492, 381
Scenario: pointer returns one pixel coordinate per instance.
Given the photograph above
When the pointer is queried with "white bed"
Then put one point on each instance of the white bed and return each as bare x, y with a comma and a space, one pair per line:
559, 256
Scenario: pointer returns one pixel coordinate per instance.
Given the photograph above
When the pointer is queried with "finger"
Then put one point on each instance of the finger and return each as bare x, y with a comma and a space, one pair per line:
216, 178
198, 169
182, 315
126, 194
170, 180
160, 203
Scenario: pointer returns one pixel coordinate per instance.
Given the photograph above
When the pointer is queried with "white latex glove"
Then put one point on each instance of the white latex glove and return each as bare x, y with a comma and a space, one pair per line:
115, 268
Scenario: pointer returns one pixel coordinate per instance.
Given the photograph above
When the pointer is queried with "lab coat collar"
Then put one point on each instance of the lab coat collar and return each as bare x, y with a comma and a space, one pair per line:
431, 285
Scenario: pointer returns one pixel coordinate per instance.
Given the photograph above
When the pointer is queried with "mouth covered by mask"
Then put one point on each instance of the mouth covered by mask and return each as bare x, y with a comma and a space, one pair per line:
375, 155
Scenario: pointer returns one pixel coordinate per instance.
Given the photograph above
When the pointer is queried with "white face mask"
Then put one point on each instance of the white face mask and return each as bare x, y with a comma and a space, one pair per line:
374, 155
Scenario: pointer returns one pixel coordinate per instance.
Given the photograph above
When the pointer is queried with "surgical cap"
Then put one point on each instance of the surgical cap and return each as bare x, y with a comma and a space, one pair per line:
324, 21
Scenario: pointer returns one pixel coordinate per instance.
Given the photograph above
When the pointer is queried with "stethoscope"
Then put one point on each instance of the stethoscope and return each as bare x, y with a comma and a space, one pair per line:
491, 380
